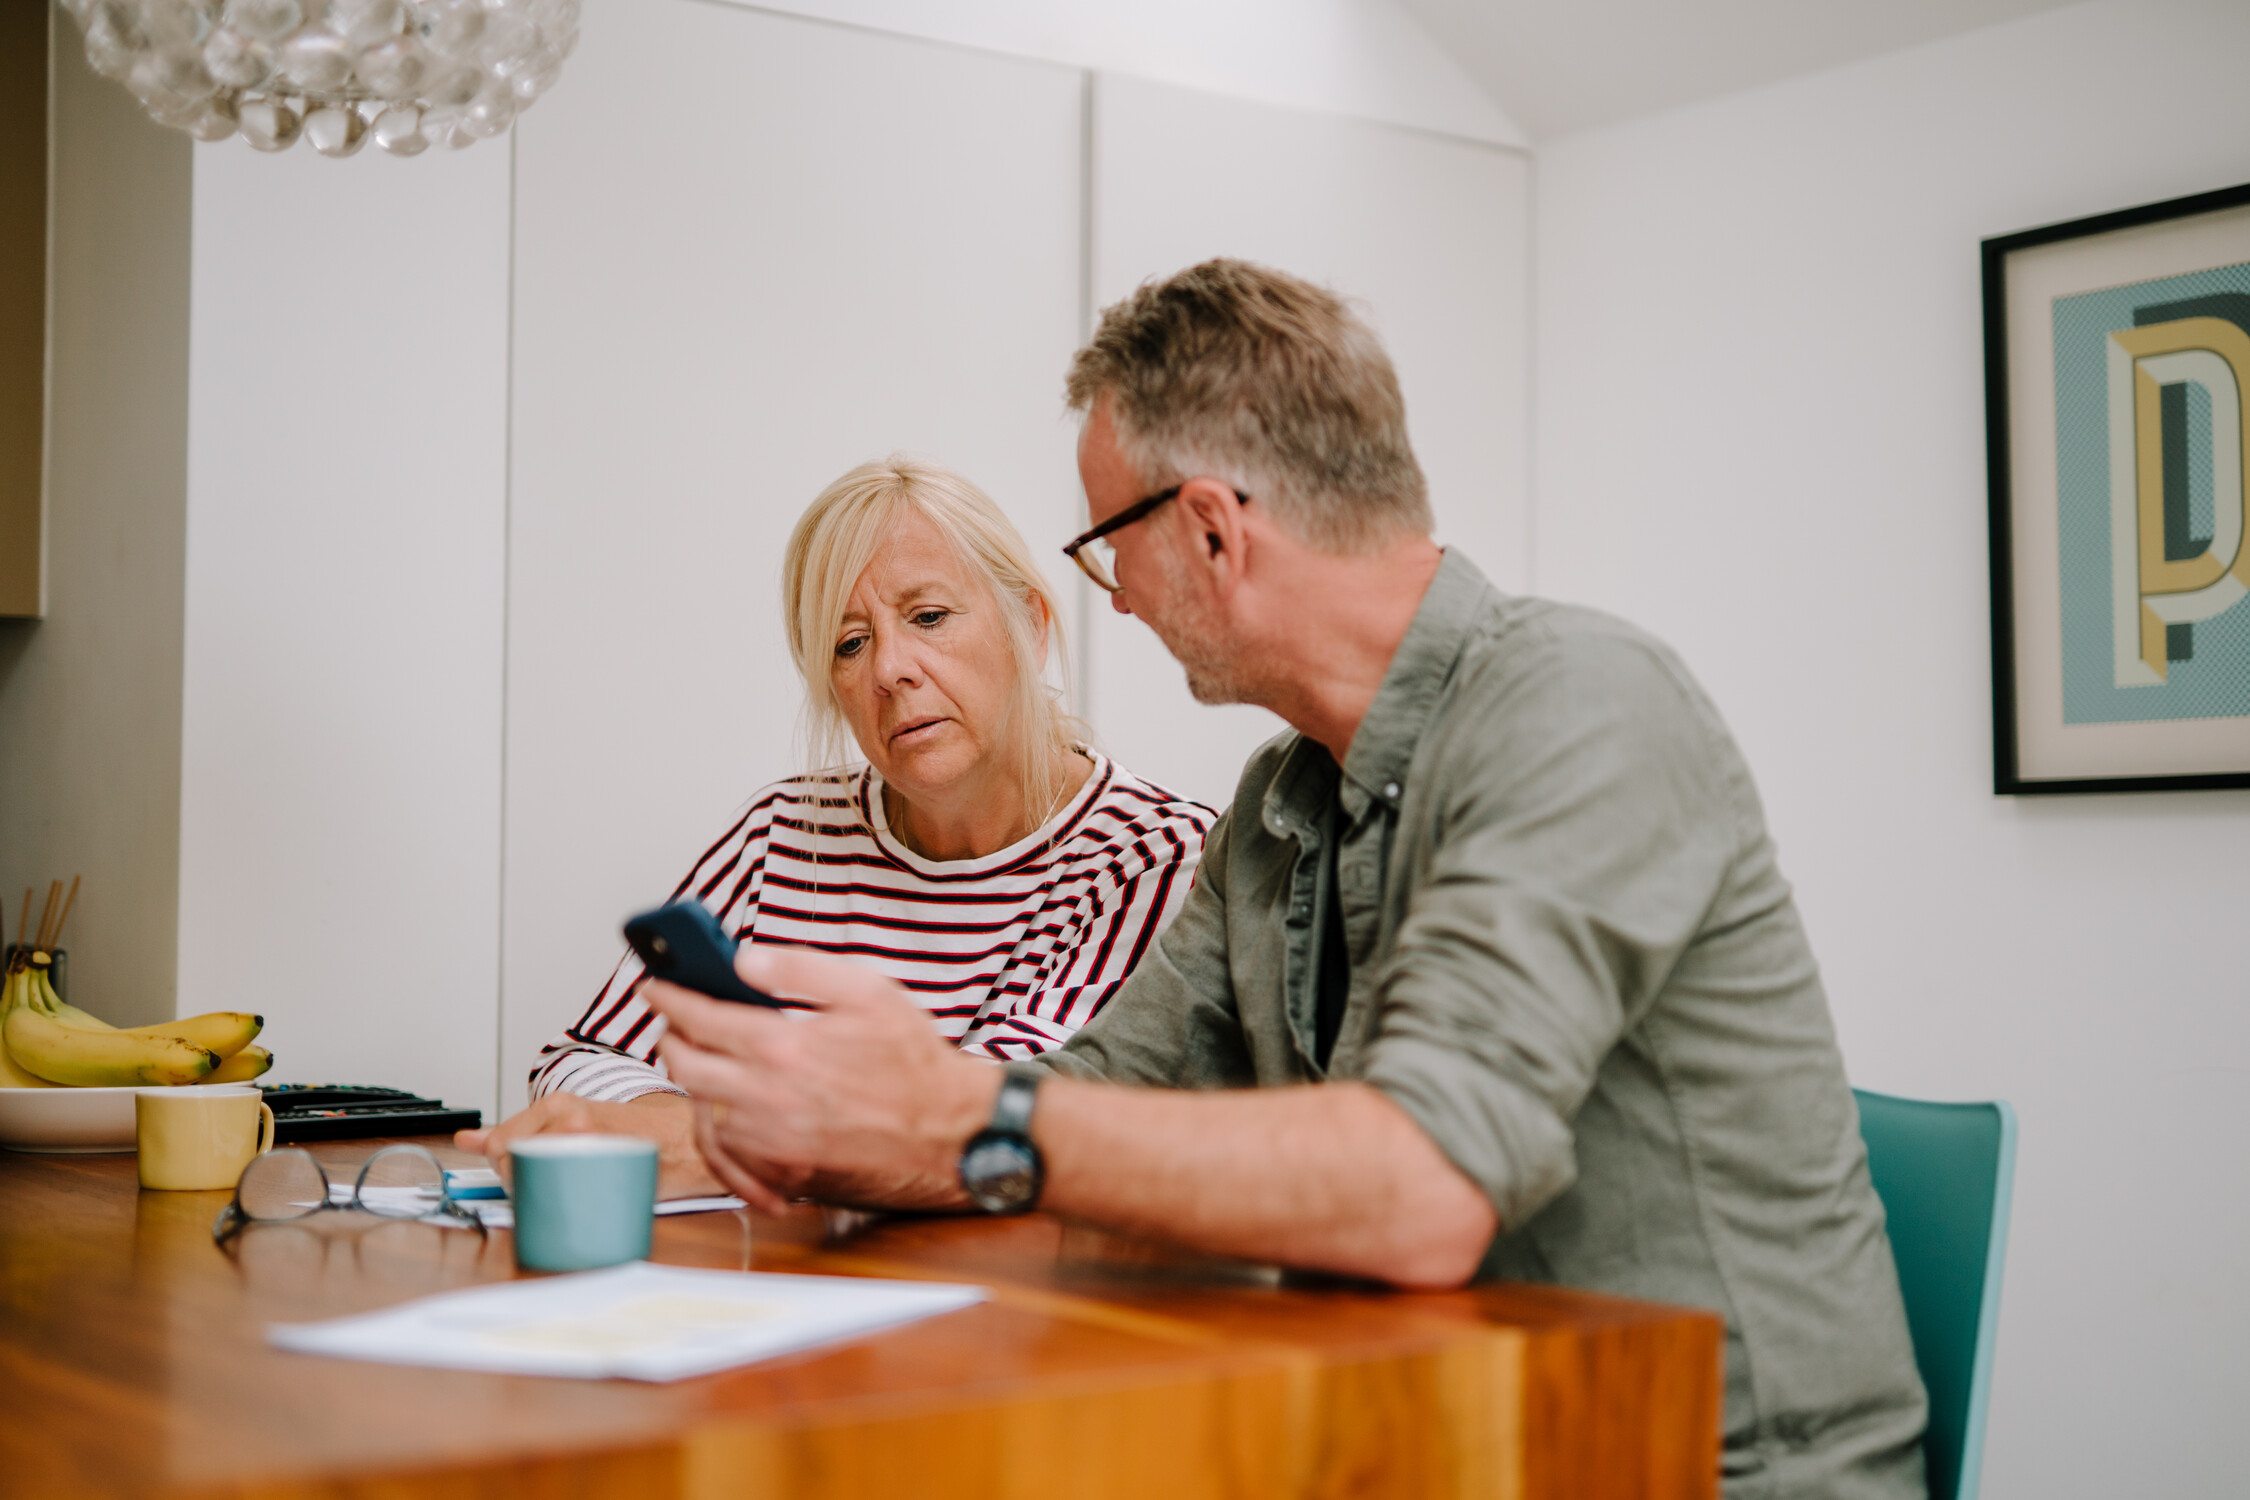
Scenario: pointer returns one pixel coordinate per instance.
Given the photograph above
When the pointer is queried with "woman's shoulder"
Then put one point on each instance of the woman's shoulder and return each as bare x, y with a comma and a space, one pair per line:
1128, 807
811, 797
838, 785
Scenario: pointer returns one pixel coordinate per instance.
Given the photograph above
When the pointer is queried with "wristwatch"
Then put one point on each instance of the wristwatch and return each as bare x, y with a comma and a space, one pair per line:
1001, 1169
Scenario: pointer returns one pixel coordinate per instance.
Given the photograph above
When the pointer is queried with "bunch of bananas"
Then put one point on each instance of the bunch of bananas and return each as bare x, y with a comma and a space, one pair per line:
46, 1041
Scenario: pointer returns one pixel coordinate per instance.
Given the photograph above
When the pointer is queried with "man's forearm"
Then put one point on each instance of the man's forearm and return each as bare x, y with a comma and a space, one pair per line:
1332, 1177
863, 1103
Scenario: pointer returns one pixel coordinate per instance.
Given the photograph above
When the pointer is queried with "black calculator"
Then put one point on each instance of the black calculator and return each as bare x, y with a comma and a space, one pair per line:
342, 1112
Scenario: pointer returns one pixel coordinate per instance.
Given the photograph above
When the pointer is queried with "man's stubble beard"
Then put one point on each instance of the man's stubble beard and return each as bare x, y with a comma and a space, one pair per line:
1197, 639
1213, 682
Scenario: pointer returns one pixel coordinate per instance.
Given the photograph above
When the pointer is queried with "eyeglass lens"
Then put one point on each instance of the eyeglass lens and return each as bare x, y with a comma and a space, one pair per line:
400, 1182
283, 1184
1099, 560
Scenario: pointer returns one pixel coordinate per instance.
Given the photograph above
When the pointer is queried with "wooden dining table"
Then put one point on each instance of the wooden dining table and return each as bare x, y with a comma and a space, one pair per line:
134, 1361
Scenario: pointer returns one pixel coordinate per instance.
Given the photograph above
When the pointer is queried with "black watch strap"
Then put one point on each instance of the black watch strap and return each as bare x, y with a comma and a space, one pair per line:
1011, 1111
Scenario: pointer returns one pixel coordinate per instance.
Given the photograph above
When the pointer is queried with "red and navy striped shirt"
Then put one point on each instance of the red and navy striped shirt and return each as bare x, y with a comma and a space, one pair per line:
1010, 953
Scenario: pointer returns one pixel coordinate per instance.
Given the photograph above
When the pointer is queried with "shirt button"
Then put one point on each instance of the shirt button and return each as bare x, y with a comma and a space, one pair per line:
1390, 790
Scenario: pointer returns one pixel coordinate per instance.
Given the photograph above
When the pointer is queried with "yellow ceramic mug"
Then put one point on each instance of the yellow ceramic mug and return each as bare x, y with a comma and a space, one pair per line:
200, 1136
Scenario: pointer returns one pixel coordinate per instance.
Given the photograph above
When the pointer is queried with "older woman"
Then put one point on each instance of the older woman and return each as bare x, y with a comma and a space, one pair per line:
1003, 871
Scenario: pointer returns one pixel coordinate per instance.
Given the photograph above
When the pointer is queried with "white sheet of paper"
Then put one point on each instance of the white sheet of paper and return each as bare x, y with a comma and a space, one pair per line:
636, 1322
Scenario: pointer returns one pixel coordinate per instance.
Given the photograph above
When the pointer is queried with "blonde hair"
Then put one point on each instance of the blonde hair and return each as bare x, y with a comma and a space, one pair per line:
833, 543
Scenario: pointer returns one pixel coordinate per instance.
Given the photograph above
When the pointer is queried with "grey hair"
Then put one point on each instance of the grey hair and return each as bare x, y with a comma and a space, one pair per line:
1236, 371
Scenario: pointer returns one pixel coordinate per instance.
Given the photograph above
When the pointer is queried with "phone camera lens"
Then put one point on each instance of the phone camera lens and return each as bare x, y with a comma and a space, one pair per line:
660, 948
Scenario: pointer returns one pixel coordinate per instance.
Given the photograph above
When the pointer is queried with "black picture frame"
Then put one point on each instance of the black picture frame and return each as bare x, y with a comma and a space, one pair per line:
2010, 774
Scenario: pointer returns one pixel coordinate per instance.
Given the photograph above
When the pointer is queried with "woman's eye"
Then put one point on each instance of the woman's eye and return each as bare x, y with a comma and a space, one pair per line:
848, 647
928, 618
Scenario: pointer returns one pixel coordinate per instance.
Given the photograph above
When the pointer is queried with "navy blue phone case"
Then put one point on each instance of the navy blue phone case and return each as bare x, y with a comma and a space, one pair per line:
684, 944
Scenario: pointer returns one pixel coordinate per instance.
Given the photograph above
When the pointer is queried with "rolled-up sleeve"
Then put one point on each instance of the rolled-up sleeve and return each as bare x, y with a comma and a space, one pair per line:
1582, 833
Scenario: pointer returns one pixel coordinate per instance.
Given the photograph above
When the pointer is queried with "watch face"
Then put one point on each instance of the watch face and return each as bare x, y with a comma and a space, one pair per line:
1001, 1173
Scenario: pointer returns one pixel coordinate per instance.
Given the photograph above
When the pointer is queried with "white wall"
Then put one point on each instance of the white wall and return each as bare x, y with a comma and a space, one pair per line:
752, 252
1760, 432
1429, 234
740, 251
1368, 58
1566, 67
340, 758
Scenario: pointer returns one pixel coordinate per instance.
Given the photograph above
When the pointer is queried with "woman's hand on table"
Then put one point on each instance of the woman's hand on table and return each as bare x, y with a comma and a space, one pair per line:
665, 1118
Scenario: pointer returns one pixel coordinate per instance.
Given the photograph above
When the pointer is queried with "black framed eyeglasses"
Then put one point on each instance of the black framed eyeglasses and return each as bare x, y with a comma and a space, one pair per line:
398, 1182
1099, 562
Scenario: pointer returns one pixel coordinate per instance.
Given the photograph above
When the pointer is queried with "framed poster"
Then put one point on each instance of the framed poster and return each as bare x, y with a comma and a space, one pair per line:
2117, 400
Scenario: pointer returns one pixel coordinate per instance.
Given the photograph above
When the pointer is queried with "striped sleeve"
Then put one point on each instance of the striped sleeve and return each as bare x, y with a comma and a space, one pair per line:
609, 1053
1137, 892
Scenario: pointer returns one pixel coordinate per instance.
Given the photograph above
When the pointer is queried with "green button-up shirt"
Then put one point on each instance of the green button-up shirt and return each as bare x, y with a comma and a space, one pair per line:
1575, 963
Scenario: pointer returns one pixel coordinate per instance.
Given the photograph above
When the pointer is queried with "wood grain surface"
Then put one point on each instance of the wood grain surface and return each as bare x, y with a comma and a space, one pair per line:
133, 1362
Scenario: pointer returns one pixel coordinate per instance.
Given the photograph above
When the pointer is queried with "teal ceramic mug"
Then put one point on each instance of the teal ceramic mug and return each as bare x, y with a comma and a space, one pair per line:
582, 1201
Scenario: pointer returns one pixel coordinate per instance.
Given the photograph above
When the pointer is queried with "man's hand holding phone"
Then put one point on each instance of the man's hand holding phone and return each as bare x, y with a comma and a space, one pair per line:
856, 1099
684, 944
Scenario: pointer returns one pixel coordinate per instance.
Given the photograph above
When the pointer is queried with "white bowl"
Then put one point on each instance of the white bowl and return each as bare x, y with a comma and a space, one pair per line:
67, 1119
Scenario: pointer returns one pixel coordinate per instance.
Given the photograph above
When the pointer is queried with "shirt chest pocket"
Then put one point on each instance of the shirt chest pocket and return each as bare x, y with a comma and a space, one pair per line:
1268, 921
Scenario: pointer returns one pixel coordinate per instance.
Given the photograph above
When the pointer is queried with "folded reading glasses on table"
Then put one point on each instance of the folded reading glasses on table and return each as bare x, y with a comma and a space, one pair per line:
397, 1182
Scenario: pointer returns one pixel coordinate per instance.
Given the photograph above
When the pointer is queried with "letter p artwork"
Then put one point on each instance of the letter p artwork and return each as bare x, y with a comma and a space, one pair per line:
2179, 404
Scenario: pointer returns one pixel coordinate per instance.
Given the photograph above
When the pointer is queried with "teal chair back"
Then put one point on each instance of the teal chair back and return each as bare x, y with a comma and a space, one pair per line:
1945, 1173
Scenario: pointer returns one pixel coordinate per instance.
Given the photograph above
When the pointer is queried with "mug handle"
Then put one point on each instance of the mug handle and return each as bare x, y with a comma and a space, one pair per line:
265, 1127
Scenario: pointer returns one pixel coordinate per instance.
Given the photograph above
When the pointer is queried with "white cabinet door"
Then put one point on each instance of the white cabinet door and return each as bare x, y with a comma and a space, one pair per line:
751, 252
340, 682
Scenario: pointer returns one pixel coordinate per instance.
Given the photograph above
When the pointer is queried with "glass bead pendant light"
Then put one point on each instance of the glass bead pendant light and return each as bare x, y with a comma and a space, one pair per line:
405, 74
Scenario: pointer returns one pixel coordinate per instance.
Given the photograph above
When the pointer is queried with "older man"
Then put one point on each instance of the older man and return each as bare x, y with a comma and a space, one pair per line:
1489, 970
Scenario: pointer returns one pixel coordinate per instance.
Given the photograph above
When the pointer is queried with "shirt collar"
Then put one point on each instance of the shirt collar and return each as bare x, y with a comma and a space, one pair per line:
1374, 769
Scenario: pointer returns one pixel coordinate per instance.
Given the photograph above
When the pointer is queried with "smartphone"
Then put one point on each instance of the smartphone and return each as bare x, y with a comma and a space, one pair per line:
684, 944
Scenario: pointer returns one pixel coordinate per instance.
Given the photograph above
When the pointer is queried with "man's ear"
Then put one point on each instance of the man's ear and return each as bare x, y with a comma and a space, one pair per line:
1215, 515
